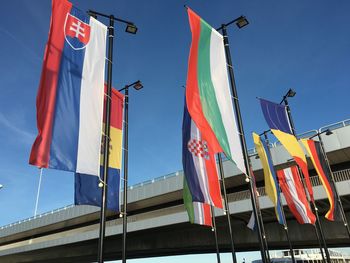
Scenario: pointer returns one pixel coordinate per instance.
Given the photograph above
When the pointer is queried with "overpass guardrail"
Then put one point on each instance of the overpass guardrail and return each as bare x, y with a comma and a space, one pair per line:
339, 176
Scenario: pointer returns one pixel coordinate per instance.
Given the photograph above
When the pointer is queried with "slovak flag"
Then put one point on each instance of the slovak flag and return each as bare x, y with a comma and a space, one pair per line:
70, 97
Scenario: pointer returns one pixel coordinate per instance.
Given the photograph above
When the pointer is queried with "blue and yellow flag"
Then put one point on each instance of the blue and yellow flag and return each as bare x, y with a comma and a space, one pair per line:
271, 183
276, 117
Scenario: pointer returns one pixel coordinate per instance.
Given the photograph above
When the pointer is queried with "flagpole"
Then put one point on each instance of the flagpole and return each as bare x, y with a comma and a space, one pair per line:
242, 139
345, 221
227, 209
318, 224
38, 193
215, 234
264, 234
125, 167
106, 137
280, 204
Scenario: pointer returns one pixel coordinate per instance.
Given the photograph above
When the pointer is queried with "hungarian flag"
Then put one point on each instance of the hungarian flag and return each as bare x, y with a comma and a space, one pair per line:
295, 195
208, 95
87, 191
199, 164
314, 150
198, 213
277, 118
70, 96
270, 178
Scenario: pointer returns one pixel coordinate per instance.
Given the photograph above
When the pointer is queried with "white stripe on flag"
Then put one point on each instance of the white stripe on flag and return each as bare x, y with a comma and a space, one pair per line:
219, 78
91, 101
251, 223
297, 202
198, 213
199, 164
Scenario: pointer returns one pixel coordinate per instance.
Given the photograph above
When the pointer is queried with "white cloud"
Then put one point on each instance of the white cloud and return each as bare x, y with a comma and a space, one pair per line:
22, 134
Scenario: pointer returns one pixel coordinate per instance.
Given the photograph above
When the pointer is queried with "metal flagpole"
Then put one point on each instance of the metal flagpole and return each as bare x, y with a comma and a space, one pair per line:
242, 139
215, 234
38, 193
106, 140
227, 209
318, 226
125, 192
345, 221
280, 204
264, 234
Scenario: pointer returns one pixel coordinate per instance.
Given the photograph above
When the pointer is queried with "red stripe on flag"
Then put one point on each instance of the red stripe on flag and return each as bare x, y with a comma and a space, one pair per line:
213, 180
291, 199
116, 118
192, 90
46, 98
207, 215
323, 177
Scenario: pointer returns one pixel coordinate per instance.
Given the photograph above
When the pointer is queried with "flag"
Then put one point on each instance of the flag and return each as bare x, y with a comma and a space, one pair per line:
199, 164
277, 118
198, 213
322, 169
295, 195
207, 91
270, 178
87, 191
70, 96
252, 221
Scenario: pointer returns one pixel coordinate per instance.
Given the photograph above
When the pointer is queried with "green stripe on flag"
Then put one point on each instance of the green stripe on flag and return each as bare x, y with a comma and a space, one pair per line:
188, 201
206, 89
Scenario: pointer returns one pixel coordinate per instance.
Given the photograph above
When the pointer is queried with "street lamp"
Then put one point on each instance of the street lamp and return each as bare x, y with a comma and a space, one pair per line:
132, 29
130, 26
137, 85
290, 94
327, 132
241, 21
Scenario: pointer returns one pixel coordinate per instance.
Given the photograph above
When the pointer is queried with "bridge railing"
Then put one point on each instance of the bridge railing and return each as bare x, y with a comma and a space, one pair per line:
339, 176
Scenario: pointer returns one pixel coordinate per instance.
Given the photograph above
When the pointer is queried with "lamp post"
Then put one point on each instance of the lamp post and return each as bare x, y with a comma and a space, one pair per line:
132, 29
240, 23
137, 85
291, 93
327, 133
285, 225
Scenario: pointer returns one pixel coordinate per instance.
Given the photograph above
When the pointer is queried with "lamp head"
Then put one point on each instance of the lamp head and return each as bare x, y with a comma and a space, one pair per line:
291, 93
138, 85
242, 22
131, 28
329, 132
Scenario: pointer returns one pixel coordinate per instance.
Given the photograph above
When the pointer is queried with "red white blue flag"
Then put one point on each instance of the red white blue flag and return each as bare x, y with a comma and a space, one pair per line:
199, 165
70, 97
294, 193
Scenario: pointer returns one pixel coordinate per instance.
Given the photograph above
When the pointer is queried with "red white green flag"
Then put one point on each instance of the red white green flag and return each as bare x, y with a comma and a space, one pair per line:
208, 96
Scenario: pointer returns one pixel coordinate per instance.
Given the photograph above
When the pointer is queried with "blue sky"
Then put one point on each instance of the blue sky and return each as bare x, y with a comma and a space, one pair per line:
304, 45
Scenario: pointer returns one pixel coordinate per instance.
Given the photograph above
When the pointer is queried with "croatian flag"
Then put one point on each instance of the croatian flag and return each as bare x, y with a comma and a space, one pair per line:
70, 97
199, 165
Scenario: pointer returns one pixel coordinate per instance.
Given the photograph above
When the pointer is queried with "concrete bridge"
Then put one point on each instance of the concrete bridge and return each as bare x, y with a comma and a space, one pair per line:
158, 224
